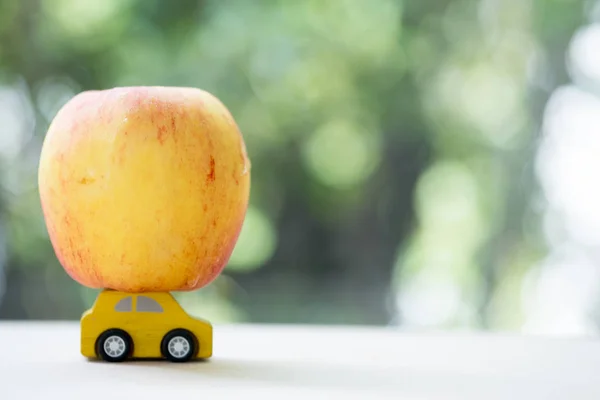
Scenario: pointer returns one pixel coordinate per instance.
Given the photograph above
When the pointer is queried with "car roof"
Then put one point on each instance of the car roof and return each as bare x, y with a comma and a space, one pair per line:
116, 295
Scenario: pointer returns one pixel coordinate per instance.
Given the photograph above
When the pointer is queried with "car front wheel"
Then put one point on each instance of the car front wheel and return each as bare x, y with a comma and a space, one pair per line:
179, 345
114, 345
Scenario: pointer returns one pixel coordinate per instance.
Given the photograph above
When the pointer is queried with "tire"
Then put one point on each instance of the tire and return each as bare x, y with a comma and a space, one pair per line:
179, 345
114, 345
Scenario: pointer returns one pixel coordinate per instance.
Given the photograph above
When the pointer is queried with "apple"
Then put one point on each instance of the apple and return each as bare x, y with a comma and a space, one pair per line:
144, 188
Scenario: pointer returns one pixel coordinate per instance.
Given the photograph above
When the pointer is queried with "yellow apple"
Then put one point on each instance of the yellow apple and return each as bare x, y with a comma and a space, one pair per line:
144, 188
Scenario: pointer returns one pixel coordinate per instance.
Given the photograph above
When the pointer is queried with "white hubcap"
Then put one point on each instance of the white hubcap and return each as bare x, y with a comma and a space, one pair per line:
179, 347
114, 346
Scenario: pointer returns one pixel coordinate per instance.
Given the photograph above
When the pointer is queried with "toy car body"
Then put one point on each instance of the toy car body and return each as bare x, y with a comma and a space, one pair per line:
120, 326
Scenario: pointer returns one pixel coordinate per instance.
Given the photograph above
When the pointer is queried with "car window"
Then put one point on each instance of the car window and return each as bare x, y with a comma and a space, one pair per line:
124, 304
146, 304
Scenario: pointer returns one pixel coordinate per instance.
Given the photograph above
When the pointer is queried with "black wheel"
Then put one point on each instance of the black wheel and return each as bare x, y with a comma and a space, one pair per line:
179, 345
114, 345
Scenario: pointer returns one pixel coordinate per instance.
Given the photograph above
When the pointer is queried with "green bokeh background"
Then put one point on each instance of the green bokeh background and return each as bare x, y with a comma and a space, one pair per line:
393, 147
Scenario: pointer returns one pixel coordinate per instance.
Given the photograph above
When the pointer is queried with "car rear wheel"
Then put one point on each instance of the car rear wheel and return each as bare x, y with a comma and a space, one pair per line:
179, 345
114, 345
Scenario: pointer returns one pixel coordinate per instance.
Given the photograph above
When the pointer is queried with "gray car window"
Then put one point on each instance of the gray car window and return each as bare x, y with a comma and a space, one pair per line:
124, 304
146, 304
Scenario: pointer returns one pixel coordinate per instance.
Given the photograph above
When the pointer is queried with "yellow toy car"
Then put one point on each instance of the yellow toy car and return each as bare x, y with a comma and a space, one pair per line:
121, 325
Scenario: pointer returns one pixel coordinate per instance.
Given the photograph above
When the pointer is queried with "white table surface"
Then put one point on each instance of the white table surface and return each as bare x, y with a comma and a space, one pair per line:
42, 361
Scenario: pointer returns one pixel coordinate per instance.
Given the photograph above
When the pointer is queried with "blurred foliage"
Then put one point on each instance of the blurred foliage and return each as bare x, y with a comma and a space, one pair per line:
392, 145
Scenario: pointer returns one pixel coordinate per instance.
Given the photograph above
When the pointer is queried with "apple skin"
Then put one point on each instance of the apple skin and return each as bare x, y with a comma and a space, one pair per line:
144, 188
